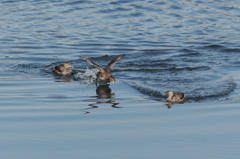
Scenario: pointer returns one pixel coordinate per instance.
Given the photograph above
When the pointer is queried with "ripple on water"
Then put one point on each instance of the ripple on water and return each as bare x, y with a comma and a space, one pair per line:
155, 74
190, 46
169, 45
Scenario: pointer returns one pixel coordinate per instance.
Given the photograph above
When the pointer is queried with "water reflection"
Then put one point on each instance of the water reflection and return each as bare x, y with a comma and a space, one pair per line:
112, 102
170, 104
63, 79
103, 92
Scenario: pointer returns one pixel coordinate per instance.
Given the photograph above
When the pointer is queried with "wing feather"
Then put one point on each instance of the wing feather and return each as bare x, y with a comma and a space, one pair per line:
59, 68
178, 96
92, 63
113, 62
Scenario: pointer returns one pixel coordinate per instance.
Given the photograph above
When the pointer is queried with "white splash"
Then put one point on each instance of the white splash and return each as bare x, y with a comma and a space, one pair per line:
87, 77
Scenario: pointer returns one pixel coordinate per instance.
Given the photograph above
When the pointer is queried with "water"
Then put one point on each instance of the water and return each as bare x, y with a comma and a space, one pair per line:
187, 46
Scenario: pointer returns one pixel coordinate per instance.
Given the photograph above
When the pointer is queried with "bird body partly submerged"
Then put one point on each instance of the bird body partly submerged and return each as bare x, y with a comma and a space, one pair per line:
175, 97
105, 74
63, 69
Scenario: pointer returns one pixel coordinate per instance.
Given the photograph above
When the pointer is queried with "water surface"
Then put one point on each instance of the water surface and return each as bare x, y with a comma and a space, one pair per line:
188, 46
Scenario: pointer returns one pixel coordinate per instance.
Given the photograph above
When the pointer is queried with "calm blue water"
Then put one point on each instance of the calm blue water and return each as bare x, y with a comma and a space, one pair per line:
187, 46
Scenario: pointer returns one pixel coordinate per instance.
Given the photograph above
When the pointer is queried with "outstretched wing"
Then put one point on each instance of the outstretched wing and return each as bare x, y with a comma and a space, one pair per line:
113, 62
89, 61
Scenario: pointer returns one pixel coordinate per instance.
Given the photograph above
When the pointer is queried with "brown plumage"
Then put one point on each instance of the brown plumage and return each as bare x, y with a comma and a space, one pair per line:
63, 69
175, 97
105, 74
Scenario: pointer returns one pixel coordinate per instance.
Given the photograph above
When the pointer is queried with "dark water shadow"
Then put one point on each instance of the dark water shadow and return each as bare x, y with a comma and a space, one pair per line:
104, 96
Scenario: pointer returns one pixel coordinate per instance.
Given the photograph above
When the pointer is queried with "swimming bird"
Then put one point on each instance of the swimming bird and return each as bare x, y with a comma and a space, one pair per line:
63, 69
105, 74
175, 97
